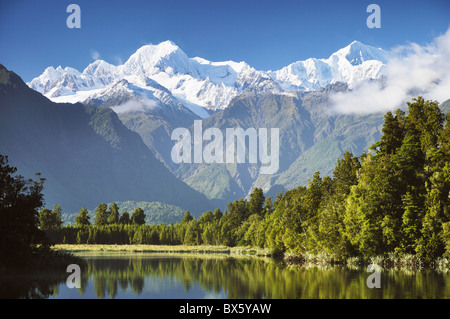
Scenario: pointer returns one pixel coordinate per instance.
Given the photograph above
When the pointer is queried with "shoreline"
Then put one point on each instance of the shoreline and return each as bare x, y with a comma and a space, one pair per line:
389, 261
202, 249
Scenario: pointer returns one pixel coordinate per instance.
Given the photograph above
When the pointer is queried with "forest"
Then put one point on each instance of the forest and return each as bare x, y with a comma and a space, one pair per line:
393, 198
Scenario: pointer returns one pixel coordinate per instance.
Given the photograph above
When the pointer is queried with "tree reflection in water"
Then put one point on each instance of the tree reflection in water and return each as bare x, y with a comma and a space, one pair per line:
131, 275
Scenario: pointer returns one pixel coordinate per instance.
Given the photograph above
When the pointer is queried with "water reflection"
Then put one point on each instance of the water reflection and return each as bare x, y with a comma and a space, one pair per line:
30, 285
166, 276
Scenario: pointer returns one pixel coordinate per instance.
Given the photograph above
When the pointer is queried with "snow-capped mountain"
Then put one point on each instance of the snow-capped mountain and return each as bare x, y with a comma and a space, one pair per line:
354, 63
68, 81
164, 74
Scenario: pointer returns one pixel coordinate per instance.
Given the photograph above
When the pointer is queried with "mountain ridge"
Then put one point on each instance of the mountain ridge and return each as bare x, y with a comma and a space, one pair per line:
205, 86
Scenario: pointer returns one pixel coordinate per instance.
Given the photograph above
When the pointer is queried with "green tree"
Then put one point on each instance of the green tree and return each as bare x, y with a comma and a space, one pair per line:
393, 132
256, 202
345, 173
251, 235
446, 238
57, 212
125, 218
206, 218
138, 216
217, 214
192, 236
430, 245
428, 119
82, 218
187, 217
268, 206
313, 196
238, 212
208, 235
287, 225
113, 217
45, 218
50, 218
365, 208
226, 232
411, 223
101, 215
329, 234
404, 191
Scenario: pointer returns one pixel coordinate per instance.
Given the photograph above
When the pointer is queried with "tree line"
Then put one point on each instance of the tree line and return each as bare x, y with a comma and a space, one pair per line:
393, 198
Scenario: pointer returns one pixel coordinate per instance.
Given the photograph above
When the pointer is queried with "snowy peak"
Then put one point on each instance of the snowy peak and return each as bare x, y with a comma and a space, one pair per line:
357, 53
164, 72
155, 52
100, 68
355, 63
164, 57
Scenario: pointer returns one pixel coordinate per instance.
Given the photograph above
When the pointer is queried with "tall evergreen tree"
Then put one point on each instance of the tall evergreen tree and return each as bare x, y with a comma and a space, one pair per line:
138, 216
187, 217
313, 196
345, 173
82, 218
256, 202
101, 215
428, 119
113, 217
57, 212
125, 218
393, 132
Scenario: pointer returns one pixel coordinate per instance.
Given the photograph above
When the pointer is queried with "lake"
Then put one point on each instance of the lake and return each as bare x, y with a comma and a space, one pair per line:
186, 276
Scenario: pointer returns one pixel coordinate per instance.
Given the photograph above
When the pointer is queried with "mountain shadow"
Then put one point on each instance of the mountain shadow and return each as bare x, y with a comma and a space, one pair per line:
85, 153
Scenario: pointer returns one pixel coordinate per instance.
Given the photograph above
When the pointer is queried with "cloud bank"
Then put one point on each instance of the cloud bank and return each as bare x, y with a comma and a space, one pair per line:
134, 106
411, 70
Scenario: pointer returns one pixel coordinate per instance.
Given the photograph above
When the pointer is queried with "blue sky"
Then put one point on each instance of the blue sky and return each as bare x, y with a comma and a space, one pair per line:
267, 34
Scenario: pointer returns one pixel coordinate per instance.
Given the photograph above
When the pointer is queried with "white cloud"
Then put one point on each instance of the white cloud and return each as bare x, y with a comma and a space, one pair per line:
95, 55
132, 106
411, 70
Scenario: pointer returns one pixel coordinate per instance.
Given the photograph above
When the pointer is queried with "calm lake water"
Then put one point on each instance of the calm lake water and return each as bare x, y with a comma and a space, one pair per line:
153, 276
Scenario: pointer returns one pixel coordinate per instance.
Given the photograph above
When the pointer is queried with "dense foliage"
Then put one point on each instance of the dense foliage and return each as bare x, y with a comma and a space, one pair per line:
23, 246
19, 201
392, 199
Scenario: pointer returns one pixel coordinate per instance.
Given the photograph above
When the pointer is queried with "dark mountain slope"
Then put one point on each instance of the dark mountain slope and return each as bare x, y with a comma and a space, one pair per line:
86, 154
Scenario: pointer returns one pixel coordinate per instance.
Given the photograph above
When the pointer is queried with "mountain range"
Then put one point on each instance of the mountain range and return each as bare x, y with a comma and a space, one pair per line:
166, 76
159, 88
